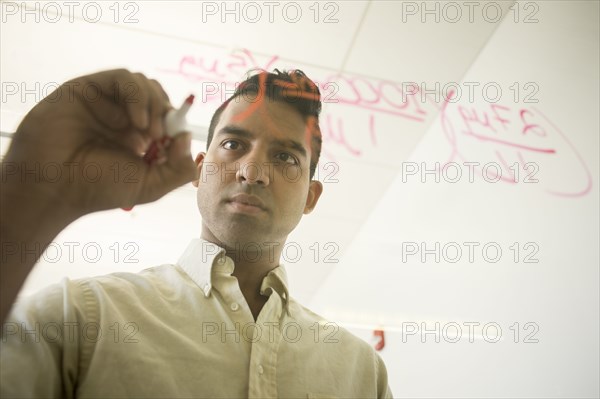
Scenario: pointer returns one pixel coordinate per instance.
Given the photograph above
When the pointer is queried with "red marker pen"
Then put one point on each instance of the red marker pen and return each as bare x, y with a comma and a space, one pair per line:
174, 123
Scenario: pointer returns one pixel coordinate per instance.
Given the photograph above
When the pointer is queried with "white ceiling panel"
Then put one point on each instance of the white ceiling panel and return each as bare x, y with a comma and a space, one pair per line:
424, 42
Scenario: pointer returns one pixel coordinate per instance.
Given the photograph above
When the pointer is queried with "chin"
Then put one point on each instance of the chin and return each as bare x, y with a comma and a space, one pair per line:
242, 234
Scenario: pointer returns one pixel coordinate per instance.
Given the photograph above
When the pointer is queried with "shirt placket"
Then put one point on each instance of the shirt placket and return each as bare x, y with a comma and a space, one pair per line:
263, 357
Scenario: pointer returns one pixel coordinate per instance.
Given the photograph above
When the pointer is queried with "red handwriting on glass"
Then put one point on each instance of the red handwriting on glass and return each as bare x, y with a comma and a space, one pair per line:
377, 97
228, 70
523, 133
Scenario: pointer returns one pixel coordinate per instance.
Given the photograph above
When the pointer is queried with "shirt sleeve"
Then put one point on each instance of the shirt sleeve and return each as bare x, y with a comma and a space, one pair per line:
383, 388
39, 347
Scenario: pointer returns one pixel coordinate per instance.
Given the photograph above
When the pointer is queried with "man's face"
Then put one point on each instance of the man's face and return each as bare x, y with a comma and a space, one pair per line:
254, 180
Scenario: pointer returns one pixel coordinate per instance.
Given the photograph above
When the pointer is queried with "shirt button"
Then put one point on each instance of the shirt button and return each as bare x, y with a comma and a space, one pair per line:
260, 369
234, 306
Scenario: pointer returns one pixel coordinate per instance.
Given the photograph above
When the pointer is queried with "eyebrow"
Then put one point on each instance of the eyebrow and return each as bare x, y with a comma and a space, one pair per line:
240, 132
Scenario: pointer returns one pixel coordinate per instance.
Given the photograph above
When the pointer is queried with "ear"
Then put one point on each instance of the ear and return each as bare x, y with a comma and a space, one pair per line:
199, 161
314, 193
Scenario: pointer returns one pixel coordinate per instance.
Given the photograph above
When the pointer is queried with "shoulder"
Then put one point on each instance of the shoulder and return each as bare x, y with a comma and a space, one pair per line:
116, 290
343, 350
152, 289
153, 278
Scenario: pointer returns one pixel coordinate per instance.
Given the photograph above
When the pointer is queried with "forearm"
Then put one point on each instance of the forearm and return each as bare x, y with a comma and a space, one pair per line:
107, 131
29, 221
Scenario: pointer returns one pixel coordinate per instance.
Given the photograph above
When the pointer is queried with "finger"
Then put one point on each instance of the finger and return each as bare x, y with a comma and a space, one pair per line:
113, 91
178, 169
135, 90
131, 107
179, 158
159, 105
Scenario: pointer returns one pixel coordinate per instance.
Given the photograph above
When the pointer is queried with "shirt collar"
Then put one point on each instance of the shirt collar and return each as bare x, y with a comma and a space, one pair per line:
202, 258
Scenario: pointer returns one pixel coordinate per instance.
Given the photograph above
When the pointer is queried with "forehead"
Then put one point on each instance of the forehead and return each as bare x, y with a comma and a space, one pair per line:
267, 119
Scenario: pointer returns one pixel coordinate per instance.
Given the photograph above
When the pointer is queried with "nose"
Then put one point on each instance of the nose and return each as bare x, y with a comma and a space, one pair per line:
254, 171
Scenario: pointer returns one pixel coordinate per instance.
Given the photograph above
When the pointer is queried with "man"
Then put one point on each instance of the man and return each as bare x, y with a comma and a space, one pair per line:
220, 322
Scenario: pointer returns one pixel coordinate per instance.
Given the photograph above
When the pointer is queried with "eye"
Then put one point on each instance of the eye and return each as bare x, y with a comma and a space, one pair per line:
288, 158
230, 145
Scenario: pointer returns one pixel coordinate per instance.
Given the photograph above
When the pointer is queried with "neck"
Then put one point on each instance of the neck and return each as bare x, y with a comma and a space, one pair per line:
252, 267
253, 262
250, 270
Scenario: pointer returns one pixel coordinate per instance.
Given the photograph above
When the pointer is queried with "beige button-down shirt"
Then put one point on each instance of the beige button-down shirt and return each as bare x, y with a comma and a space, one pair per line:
180, 331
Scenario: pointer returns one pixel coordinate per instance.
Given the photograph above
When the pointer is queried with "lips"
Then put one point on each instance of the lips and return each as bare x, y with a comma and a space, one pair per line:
248, 200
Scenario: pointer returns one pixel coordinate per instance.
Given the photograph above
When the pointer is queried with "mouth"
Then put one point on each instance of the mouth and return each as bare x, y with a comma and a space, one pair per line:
246, 204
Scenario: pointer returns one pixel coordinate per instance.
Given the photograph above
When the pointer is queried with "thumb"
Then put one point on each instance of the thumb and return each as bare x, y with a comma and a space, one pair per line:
178, 169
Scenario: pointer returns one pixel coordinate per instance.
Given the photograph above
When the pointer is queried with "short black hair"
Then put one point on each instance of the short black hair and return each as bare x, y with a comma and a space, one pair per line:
290, 87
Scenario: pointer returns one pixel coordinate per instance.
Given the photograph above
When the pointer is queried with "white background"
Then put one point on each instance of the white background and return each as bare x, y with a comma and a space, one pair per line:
544, 58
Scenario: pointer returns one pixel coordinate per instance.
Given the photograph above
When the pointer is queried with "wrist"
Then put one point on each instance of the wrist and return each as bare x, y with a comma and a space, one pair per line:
34, 206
